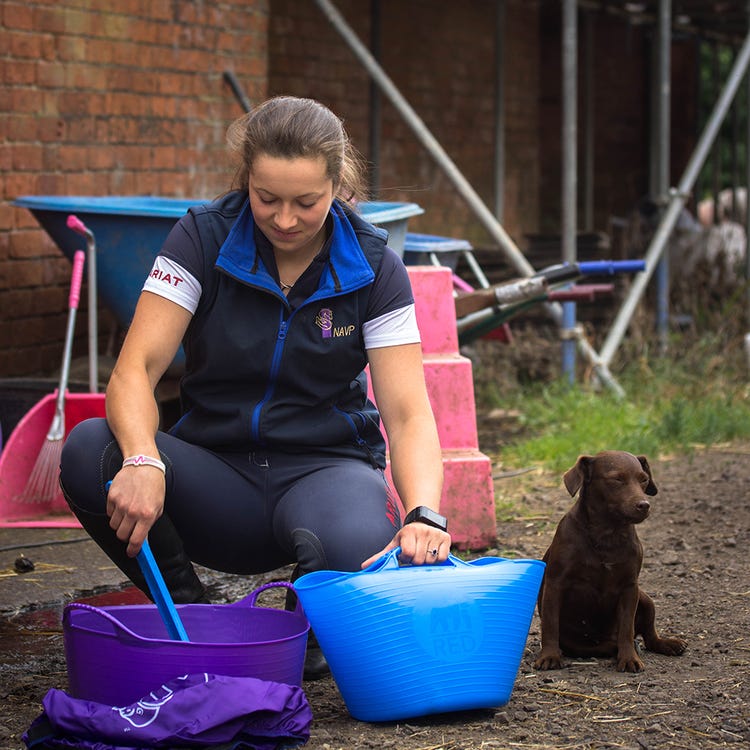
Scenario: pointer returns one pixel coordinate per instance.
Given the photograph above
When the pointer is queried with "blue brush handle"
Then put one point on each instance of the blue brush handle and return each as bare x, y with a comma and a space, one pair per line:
608, 267
159, 591
562, 272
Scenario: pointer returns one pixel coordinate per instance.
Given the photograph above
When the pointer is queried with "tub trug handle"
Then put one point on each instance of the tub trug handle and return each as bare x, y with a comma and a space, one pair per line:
389, 561
102, 613
250, 599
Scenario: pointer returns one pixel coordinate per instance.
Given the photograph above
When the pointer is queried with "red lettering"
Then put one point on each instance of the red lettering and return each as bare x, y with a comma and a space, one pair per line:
167, 278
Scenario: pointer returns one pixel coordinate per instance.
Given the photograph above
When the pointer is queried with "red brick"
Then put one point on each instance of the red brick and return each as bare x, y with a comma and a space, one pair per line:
99, 51
18, 16
7, 216
87, 76
160, 10
26, 157
75, 48
49, 19
79, 22
72, 158
50, 74
18, 183
24, 44
142, 30
48, 129
82, 130
115, 25
48, 184
20, 72
100, 158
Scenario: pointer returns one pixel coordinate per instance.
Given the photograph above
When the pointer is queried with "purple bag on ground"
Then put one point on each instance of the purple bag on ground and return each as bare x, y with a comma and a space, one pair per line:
198, 710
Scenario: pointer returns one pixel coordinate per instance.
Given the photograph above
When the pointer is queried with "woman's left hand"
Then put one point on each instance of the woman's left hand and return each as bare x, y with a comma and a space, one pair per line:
420, 544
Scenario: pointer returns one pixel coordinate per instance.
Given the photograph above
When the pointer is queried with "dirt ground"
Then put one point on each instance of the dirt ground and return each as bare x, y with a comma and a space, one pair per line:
695, 569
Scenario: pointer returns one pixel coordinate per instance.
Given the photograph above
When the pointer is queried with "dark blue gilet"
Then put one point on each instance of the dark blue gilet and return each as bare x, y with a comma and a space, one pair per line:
259, 374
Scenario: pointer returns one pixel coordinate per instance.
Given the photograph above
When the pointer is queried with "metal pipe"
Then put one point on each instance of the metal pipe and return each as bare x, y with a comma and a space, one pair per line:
375, 101
662, 173
677, 201
239, 94
747, 187
735, 156
588, 157
476, 269
569, 129
699, 85
499, 109
569, 169
716, 158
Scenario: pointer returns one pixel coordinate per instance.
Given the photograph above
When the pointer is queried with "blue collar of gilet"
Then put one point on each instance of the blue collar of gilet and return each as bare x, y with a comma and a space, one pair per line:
347, 267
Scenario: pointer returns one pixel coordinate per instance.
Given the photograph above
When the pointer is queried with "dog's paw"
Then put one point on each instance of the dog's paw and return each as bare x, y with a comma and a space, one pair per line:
552, 660
629, 663
668, 646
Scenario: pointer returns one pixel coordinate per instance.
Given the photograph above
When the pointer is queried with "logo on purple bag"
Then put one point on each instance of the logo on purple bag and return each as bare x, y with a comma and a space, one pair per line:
324, 320
146, 710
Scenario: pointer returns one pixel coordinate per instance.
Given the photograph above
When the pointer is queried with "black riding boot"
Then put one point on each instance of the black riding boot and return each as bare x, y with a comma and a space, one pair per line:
166, 544
316, 665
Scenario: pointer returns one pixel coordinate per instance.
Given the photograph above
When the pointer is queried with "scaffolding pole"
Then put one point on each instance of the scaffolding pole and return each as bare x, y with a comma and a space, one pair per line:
499, 162
662, 181
569, 186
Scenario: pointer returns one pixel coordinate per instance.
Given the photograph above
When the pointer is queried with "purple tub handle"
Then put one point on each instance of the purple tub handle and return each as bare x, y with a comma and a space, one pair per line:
107, 616
250, 599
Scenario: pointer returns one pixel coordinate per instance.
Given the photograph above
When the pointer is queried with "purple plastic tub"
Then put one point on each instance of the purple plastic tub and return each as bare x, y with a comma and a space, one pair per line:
116, 655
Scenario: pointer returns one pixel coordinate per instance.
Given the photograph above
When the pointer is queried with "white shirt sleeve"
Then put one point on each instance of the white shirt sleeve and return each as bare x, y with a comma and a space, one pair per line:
392, 329
168, 279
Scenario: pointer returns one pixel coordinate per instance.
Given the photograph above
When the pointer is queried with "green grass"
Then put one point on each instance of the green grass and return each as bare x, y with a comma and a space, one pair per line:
698, 396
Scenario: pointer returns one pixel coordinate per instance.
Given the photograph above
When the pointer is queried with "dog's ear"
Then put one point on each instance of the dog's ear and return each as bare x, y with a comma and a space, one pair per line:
574, 477
651, 487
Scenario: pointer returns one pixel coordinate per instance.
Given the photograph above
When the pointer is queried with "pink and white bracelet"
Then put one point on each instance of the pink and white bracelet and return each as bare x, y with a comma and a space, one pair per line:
141, 460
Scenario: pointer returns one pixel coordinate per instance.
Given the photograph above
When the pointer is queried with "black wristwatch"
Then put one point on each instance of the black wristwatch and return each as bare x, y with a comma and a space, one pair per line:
423, 514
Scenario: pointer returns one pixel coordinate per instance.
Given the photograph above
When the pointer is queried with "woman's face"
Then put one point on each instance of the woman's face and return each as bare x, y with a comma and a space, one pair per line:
290, 199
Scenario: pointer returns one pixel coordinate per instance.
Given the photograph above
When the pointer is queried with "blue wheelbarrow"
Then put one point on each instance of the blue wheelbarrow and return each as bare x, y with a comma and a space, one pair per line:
130, 231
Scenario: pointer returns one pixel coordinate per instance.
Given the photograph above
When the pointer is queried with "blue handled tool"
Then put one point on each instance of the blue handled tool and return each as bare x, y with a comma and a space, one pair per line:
159, 591
568, 271
609, 267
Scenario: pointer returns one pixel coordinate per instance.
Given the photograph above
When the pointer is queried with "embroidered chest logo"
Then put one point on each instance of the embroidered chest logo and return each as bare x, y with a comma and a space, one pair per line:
324, 321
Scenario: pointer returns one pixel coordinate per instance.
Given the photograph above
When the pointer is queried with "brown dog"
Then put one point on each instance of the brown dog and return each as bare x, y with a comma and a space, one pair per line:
590, 603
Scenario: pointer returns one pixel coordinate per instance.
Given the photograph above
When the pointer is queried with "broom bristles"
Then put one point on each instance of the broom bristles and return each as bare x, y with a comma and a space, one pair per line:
42, 485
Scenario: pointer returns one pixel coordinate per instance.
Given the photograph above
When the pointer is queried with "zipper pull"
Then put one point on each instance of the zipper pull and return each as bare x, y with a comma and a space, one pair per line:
282, 330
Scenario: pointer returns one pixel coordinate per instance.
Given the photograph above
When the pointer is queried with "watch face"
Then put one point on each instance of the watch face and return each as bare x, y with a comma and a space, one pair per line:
426, 515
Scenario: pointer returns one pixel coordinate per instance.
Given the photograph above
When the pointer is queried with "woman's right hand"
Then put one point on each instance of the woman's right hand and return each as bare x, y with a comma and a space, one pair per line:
134, 502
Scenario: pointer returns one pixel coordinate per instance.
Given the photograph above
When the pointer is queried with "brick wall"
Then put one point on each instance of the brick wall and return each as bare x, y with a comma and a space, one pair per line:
441, 56
103, 98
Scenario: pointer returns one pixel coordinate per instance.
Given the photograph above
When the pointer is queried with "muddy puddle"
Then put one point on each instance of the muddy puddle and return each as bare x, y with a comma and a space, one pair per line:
35, 636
